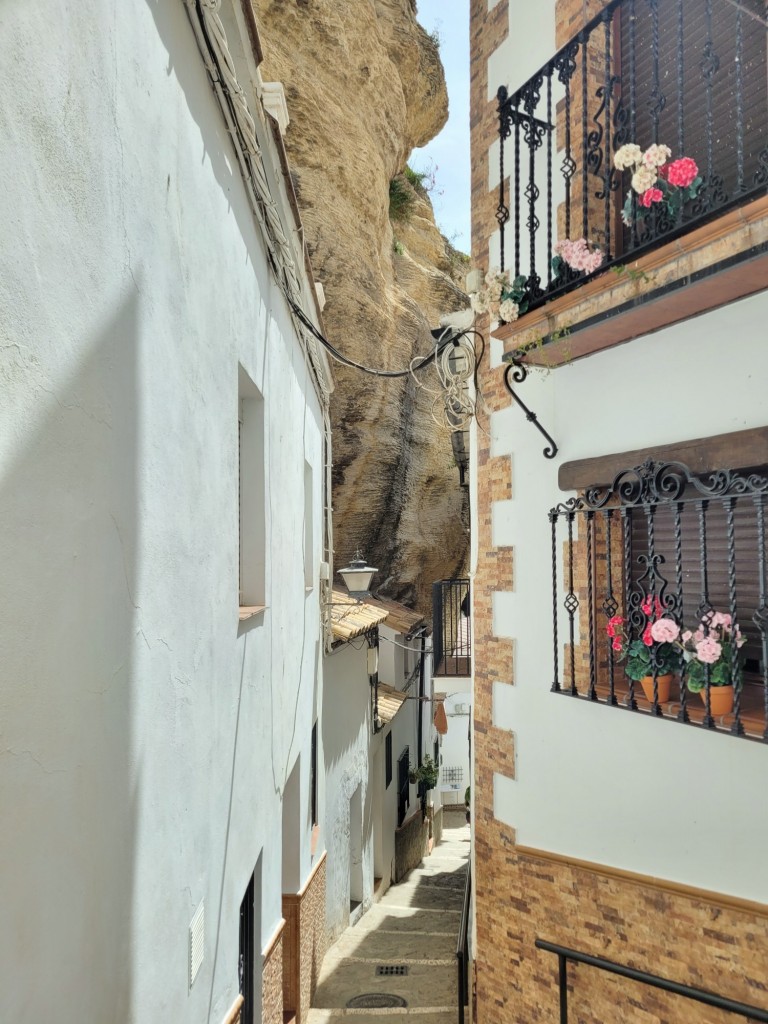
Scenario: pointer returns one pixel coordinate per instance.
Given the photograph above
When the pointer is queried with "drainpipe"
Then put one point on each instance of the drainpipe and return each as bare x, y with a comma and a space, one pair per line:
420, 738
372, 636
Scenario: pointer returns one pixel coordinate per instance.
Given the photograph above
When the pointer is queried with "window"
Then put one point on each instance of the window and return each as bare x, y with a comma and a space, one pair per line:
309, 536
696, 545
708, 62
403, 786
313, 778
388, 760
251, 512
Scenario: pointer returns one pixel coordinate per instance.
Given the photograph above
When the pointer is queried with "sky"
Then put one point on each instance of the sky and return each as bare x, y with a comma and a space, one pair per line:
448, 153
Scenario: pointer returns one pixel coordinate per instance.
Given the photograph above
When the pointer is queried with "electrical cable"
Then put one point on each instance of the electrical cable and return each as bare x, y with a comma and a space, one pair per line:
419, 363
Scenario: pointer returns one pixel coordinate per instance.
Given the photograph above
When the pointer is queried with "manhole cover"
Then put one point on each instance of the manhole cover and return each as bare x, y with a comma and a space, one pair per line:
399, 969
375, 1001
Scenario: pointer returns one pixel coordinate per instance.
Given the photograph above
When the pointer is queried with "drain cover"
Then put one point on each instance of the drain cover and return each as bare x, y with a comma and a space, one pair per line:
388, 969
375, 1001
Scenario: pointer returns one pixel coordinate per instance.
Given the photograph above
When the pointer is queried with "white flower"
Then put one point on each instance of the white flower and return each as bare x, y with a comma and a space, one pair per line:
509, 311
493, 276
643, 179
656, 156
627, 156
479, 302
494, 290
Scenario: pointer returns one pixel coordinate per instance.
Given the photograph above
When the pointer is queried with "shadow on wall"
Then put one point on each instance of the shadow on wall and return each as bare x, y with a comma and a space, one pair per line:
68, 593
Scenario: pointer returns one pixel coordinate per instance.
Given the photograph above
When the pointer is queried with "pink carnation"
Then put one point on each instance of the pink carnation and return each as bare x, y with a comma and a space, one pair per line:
651, 195
664, 631
682, 172
708, 651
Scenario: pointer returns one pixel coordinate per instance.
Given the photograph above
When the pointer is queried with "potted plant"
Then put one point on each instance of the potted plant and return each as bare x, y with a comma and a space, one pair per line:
655, 181
709, 650
467, 794
427, 773
655, 649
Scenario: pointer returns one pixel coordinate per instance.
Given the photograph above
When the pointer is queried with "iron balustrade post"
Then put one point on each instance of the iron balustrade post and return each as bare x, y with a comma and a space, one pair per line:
737, 728
610, 606
590, 604
739, 101
462, 947
682, 714
562, 976
438, 653
553, 517
760, 617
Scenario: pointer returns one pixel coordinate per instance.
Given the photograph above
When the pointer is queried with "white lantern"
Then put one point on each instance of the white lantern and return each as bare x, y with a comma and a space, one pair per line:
357, 576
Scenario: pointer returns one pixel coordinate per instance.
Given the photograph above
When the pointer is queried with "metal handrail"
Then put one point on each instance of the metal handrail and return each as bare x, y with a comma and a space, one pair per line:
700, 995
462, 947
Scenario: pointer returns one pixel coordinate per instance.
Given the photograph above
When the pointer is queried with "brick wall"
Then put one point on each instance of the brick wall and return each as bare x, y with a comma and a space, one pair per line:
709, 942
304, 942
410, 844
272, 981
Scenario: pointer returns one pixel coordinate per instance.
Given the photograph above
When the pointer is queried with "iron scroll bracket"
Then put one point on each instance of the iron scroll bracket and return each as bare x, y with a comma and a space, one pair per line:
518, 372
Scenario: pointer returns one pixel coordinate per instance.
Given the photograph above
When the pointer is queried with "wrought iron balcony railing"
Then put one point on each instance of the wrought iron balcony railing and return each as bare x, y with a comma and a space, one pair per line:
688, 74
663, 544
451, 632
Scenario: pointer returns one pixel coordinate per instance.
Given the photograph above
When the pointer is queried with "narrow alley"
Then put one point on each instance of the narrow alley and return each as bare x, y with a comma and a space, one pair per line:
403, 950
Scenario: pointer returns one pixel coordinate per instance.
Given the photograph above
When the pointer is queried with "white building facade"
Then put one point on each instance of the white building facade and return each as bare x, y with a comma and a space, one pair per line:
164, 450
616, 832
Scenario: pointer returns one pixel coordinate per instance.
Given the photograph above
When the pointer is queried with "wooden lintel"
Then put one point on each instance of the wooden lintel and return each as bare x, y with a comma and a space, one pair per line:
741, 449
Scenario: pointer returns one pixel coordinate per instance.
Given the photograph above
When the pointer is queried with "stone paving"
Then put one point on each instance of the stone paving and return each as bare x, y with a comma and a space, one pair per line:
415, 924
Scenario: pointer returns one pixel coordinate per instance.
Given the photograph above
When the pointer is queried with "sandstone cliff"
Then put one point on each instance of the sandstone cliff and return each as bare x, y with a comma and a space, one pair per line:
364, 85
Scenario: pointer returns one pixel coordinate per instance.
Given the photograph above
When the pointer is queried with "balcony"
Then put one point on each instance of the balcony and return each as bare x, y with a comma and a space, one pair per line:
686, 74
451, 629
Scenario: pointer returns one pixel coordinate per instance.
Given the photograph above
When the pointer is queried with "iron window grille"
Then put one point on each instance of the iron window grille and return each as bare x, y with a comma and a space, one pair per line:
660, 533
403, 785
690, 74
451, 628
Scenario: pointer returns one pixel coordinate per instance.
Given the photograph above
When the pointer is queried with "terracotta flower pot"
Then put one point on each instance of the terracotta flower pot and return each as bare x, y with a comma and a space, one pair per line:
720, 700
663, 684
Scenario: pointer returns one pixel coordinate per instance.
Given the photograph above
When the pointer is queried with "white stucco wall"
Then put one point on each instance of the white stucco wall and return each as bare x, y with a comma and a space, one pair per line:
454, 748
594, 783
347, 743
146, 737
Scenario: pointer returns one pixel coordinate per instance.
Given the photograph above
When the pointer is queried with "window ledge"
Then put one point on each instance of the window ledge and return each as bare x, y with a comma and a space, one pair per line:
724, 260
251, 611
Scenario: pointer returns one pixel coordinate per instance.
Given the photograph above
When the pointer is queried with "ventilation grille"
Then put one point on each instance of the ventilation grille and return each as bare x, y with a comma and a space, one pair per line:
389, 969
196, 942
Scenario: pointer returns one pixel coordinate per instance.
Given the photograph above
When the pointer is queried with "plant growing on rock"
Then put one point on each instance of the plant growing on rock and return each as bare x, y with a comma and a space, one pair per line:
402, 199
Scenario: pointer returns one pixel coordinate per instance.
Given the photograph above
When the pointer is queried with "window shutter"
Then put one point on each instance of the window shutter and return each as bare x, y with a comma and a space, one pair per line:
727, 54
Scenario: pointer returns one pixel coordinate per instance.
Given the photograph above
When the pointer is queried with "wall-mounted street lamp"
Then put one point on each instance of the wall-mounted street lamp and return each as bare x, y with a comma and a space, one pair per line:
357, 576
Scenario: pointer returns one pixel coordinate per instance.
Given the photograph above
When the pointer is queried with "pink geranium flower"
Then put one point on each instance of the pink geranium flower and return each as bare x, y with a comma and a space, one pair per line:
682, 172
648, 636
708, 651
651, 195
665, 631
